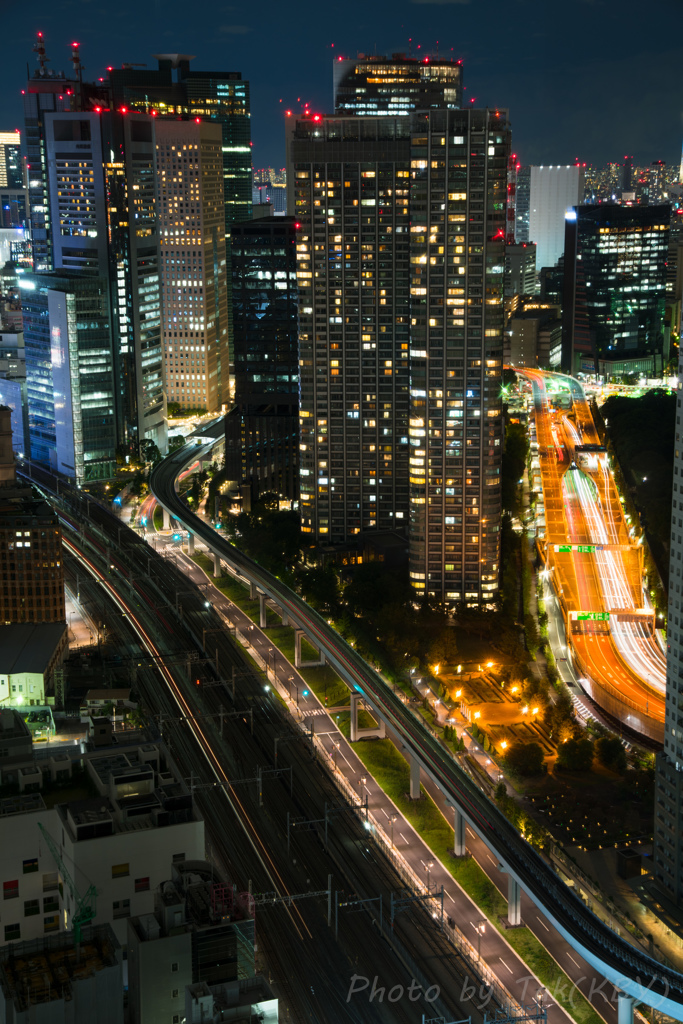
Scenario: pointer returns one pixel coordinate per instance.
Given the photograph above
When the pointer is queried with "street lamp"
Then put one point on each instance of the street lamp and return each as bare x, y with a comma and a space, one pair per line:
336, 750
429, 865
392, 819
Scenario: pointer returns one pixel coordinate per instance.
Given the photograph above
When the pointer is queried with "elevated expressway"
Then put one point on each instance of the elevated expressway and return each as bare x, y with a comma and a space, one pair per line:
636, 976
595, 567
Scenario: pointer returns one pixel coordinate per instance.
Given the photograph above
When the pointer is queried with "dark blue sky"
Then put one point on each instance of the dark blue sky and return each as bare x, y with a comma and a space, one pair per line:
581, 78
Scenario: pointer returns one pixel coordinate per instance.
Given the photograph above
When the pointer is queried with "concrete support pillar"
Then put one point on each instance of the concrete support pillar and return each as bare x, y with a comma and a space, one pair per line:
262, 621
381, 729
216, 565
353, 734
190, 543
460, 826
624, 1008
167, 520
285, 617
514, 902
253, 592
298, 663
414, 778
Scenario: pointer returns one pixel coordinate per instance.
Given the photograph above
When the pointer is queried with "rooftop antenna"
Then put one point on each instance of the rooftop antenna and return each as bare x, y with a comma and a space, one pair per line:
76, 61
39, 48
410, 46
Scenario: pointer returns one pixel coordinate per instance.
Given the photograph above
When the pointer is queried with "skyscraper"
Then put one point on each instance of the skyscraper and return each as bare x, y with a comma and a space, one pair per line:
401, 267
459, 165
262, 430
615, 287
668, 818
522, 205
193, 263
70, 371
218, 96
11, 171
101, 193
376, 86
552, 191
350, 192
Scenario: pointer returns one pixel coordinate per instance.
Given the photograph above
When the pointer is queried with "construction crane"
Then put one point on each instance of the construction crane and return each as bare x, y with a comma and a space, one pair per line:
84, 905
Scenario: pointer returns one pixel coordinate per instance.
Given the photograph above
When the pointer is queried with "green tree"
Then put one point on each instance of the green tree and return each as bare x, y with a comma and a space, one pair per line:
320, 587
525, 759
575, 755
610, 752
175, 442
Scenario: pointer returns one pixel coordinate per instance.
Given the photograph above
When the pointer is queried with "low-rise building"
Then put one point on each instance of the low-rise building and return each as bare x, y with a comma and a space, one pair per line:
29, 655
201, 933
133, 821
52, 981
239, 1002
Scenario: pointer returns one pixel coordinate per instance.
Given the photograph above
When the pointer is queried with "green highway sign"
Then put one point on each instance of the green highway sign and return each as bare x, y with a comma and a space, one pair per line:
593, 616
584, 549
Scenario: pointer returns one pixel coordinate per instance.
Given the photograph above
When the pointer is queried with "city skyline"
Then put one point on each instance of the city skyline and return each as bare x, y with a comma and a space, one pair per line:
535, 69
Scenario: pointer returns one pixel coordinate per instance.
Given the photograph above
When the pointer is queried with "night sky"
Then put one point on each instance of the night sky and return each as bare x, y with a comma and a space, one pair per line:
581, 78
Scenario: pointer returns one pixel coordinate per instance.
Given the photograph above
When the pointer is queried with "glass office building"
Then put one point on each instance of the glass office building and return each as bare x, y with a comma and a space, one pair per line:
615, 285
262, 430
70, 373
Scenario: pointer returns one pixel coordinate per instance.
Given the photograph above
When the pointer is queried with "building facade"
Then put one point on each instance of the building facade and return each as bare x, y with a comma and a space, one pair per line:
372, 86
71, 373
615, 285
101, 170
218, 96
552, 191
457, 254
262, 430
520, 269
200, 933
31, 565
401, 251
194, 287
350, 194
668, 818
123, 842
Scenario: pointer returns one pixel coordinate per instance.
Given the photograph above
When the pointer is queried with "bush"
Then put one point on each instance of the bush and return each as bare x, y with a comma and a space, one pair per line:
525, 759
575, 756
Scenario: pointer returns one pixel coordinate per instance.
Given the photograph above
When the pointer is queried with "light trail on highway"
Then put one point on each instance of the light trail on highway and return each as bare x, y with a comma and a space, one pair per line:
628, 662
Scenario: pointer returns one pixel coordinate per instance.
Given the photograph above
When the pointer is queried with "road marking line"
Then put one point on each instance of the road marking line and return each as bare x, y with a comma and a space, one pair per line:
494, 862
573, 960
449, 896
543, 923
403, 838
505, 965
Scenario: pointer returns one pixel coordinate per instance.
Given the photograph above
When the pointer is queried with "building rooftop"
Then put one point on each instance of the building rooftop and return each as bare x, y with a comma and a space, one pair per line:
134, 795
45, 969
24, 804
107, 695
12, 725
29, 646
